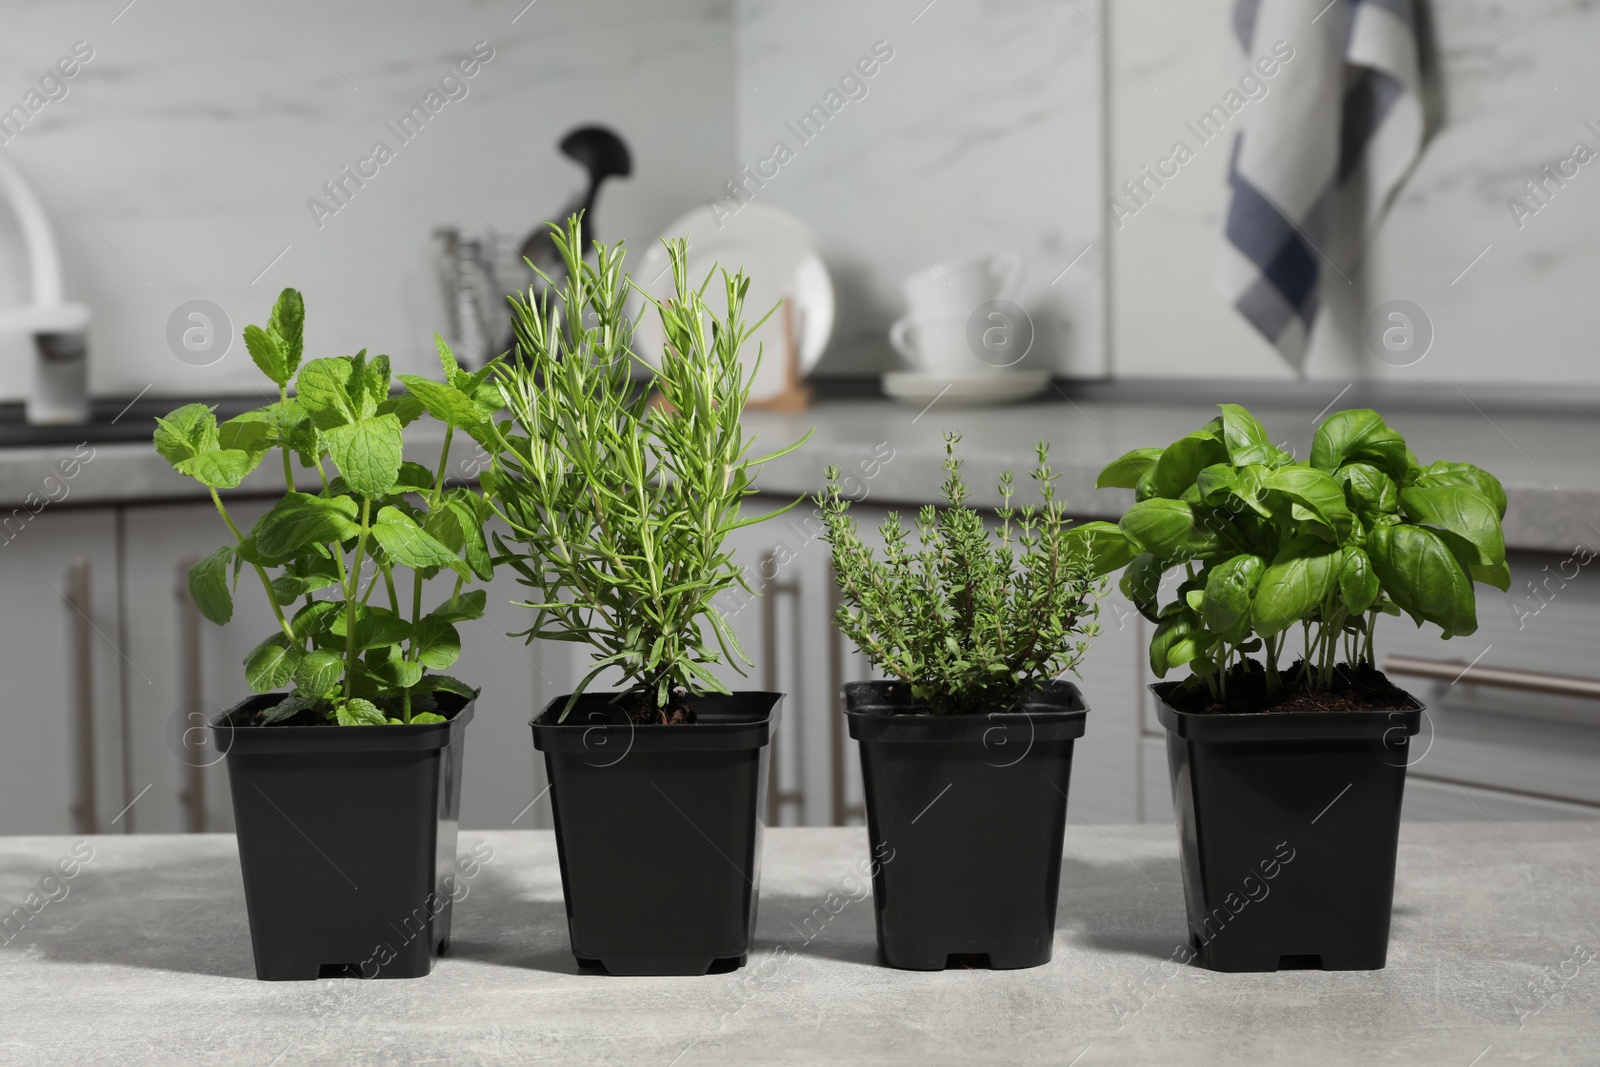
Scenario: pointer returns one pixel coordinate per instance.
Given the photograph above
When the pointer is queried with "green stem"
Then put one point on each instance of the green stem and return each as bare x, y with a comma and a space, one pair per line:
288, 470
350, 580
266, 583
388, 581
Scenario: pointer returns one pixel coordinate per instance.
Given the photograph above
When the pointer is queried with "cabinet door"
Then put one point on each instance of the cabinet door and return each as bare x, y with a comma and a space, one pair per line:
64, 664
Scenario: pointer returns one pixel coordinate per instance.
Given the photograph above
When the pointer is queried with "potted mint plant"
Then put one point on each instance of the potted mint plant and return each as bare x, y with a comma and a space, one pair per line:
1287, 777
346, 787
619, 506
966, 752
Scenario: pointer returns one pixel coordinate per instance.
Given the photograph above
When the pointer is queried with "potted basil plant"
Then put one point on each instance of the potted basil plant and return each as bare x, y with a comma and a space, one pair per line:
1287, 746
346, 784
966, 751
619, 506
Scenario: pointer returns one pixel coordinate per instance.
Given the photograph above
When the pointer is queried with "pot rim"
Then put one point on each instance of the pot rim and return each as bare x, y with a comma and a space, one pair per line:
1285, 725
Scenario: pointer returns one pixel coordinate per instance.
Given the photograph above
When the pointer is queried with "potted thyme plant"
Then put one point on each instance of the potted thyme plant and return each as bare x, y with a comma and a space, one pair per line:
619, 506
1287, 777
966, 752
362, 754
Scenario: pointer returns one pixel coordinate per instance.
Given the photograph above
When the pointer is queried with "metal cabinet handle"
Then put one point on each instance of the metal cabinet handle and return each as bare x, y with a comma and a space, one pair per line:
842, 812
1522, 681
193, 796
777, 798
79, 598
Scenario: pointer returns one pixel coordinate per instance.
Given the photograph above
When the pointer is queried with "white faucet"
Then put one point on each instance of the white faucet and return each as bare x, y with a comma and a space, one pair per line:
60, 389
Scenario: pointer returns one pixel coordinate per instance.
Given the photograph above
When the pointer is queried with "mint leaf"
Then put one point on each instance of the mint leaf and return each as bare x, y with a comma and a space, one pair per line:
288, 323
318, 672
405, 407
300, 519
186, 432
408, 544
288, 708
462, 607
443, 683
388, 664
271, 663
267, 352
219, 469
436, 643
423, 718
208, 586
375, 627
358, 712
315, 617
444, 402
323, 389
368, 453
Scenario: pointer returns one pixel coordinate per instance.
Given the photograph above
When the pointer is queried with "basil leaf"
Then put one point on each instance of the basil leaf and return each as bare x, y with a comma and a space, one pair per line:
1368, 491
1469, 477
1230, 588
1245, 438
1141, 583
1463, 512
1359, 434
1179, 638
1166, 529
1358, 582
1295, 584
1103, 544
1182, 461
271, 663
1420, 574
1125, 471
208, 586
1313, 489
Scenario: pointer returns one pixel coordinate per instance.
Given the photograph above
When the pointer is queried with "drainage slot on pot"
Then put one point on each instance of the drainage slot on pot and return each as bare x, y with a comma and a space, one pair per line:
968, 960
1307, 962
339, 970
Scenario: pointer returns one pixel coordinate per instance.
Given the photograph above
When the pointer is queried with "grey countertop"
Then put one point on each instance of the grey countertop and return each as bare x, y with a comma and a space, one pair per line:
146, 959
1547, 461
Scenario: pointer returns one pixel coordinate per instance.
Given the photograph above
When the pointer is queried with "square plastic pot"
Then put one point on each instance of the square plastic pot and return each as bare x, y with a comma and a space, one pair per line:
347, 841
966, 815
658, 830
1288, 825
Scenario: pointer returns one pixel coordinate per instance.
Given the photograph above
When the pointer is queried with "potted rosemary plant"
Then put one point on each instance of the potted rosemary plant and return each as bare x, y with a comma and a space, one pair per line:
619, 506
966, 751
1287, 777
346, 787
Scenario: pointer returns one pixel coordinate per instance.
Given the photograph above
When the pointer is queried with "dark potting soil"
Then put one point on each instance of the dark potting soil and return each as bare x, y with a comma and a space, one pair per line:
1361, 688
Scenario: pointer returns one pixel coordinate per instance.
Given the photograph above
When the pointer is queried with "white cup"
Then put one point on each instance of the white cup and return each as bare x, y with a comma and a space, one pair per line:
940, 347
953, 290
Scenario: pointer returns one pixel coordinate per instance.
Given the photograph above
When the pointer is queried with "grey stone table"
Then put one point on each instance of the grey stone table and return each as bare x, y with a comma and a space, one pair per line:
144, 957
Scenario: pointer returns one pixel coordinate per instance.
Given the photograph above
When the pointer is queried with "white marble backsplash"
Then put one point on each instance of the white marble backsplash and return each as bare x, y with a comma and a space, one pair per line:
981, 134
180, 163
1517, 83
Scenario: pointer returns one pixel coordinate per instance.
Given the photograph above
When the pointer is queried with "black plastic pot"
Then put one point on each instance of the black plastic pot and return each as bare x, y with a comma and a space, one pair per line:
347, 841
966, 815
658, 829
1288, 824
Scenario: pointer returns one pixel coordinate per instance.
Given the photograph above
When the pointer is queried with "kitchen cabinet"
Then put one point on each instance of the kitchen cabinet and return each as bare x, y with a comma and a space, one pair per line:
109, 695
64, 668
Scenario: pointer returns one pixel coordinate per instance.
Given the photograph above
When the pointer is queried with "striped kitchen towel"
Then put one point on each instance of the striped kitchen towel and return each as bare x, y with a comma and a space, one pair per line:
1316, 161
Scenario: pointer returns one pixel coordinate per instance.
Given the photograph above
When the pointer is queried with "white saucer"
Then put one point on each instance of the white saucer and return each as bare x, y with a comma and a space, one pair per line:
915, 387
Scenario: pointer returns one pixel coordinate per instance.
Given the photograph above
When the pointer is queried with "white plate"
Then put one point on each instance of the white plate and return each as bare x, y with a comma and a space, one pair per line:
914, 387
778, 254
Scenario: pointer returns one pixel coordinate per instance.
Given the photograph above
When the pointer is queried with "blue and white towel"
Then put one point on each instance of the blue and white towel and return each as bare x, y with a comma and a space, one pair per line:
1316, 161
